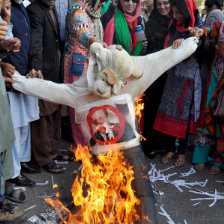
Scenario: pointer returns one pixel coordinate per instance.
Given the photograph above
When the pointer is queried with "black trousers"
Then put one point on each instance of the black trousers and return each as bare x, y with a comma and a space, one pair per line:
141, 185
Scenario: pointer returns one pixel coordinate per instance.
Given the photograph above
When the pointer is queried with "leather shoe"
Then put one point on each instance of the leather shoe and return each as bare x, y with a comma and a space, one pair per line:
22, 181
54, 168
30, 167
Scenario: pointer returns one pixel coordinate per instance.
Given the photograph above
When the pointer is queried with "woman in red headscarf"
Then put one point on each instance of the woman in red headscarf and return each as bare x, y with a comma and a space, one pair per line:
180, 104
122, 27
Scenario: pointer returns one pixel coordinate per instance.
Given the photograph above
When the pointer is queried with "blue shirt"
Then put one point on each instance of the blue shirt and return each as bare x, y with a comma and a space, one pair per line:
21, 30
62, 7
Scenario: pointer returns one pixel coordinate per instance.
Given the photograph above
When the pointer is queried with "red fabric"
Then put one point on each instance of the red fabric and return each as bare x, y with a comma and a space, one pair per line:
172, 126
192, 7
133, 33
183, 96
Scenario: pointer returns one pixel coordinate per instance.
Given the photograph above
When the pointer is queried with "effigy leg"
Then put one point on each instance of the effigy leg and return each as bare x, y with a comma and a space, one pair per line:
141, 184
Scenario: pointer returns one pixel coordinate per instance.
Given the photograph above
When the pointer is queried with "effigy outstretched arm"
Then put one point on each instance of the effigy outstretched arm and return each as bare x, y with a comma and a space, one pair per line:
153, 66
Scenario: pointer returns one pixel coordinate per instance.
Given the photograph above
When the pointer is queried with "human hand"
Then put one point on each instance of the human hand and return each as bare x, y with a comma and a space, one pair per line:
12, 44
144, 42
98, 41
196, 32
8, 82
3, 30
35, 74
6, 10
177, 43
7, 69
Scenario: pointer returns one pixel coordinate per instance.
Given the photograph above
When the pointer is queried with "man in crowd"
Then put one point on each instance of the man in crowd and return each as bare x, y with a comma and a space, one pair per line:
45, 56
7, 211
24, 109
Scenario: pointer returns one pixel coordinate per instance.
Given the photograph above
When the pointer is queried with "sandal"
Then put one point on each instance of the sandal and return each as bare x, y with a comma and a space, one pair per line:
180, 161
15, 195
65, 155
214, 170
166, 159
199, 166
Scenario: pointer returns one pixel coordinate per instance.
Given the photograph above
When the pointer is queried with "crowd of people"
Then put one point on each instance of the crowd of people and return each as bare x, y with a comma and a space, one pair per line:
51, 39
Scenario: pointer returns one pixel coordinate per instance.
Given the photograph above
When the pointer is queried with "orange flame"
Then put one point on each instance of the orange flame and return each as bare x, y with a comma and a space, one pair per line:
139, 107
103, 193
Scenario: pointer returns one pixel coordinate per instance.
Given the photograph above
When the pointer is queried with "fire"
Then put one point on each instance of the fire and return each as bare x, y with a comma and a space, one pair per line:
102, 194
139, 107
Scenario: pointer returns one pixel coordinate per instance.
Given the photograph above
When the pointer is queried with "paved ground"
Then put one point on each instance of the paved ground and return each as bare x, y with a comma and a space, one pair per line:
176, 203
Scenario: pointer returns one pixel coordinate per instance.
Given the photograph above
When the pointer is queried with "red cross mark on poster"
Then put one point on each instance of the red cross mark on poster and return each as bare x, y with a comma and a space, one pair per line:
98, 122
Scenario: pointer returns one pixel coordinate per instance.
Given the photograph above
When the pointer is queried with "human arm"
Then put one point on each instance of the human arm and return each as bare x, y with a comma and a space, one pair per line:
209, 32
80, 28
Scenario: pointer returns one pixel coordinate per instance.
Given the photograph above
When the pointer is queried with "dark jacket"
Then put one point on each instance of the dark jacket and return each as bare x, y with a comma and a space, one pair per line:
45, 41
21, 30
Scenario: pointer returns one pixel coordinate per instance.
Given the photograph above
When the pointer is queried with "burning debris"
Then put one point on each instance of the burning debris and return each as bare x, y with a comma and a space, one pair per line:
48, 217
103, 193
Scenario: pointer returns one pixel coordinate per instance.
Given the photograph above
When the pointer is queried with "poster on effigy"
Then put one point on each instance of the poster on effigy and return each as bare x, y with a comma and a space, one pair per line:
109, 124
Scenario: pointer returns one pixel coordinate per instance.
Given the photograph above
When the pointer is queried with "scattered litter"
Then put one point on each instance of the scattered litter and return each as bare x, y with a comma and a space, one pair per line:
196, 203
220, 181
52, 179
164, 213
190, 172
46, 196
42, 184
61, 162
20, 188
169, 220
211, 196
156, 175
171, 167
31, 207
156, 191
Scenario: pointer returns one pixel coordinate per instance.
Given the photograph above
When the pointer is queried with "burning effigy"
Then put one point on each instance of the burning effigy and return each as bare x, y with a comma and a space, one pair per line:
113, 186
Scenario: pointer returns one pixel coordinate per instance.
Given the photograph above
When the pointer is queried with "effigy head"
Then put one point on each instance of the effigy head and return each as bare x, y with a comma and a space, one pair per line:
113, 67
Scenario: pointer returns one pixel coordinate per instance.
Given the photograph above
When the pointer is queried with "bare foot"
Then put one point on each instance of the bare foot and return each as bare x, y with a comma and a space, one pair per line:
166, 159
180, 161
199, 166
214, 170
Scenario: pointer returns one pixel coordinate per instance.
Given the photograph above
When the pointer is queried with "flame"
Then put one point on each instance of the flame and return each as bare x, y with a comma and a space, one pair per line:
102, 194
139, 107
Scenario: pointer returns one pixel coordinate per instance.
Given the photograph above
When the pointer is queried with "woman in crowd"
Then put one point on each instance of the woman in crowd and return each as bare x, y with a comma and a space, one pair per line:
210, 140
83, 28
156, 32
180, 103
215, 14
211, 5
121, 28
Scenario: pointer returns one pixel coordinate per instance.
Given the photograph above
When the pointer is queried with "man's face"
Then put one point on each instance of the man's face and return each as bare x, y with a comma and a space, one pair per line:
49, 2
